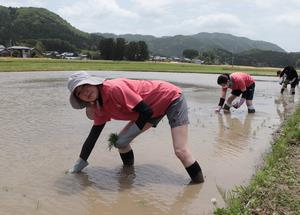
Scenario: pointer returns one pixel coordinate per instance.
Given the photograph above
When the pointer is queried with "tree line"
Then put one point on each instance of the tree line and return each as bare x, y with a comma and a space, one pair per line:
254, 57
120, 49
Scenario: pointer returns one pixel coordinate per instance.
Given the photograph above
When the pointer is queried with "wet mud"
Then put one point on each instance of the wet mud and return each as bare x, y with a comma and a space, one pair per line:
41, 138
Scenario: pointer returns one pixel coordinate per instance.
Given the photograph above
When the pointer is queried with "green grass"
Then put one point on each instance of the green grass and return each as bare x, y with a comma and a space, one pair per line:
42, 64
275, 188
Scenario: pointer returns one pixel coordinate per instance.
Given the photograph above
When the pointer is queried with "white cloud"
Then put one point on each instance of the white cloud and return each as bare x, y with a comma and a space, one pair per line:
95, 9
265, 4
276, 4
225, 23
153, 4
153, 8
157, 4
96, 15
216, 21
290, 19
22, 3
163, 9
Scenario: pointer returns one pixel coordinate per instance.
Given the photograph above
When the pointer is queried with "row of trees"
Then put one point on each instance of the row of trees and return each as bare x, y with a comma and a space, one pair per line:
253, 57
106, 49
119, 49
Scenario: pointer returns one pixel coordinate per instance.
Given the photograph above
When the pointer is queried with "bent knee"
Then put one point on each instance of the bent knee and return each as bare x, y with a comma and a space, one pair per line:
182, 153
121, 144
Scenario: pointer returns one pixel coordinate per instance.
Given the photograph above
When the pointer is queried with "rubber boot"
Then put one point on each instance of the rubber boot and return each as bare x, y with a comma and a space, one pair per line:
293, 91
251, 110
127, 158
195, 173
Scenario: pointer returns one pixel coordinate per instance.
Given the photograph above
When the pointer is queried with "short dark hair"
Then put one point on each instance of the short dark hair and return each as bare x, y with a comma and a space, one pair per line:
278, 72
222, 79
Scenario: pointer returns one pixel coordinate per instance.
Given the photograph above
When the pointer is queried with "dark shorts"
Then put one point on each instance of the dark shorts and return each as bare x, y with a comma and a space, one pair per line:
248, 94
177, 113
295, 83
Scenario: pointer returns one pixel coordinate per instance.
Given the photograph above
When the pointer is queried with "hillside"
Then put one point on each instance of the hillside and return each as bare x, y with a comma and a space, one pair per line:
174, 45
28, 24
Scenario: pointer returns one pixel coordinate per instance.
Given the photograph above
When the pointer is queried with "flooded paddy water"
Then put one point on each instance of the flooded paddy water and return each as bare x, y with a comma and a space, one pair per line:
41, 138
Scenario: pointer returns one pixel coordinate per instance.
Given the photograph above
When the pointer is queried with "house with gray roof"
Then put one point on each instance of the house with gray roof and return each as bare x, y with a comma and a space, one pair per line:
3, 51
20, 51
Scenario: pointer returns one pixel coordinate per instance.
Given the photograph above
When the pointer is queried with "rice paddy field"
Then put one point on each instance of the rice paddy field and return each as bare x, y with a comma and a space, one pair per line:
41, 138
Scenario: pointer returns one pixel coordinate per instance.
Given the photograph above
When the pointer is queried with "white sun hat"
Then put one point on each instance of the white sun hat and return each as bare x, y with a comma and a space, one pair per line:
77, 79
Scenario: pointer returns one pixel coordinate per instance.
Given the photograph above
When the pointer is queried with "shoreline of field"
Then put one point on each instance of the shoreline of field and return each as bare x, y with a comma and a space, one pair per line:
275, 187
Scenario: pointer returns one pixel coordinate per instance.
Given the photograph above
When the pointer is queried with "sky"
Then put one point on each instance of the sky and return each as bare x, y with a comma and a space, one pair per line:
275, 21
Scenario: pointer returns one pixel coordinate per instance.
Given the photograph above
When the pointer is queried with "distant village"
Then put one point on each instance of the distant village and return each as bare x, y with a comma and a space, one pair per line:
28, 52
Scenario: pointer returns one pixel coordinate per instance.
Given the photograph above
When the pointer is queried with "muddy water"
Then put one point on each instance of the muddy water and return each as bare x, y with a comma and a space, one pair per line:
41, 137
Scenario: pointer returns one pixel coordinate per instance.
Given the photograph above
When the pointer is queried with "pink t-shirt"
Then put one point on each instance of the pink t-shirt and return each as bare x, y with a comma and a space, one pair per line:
120, 96
240, 80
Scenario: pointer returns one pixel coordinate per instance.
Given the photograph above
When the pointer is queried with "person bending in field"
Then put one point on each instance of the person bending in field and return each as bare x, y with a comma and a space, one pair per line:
141, 102
288, 76
241, 84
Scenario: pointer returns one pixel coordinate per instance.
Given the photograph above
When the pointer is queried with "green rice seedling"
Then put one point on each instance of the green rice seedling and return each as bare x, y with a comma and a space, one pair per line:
113, 137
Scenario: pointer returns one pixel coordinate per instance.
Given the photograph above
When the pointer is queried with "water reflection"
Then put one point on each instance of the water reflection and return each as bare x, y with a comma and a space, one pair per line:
130, 188
118, 179
187, 197
283, 105
70, 184
126, 176
234, 132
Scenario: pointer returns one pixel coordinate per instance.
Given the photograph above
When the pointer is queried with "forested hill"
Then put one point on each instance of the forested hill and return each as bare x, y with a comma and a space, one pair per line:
174, 45
26, 25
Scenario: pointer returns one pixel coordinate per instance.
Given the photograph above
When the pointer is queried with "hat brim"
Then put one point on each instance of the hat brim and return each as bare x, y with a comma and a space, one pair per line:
77, 103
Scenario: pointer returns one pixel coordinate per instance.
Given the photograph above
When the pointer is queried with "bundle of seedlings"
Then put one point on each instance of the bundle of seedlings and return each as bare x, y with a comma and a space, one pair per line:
113, 137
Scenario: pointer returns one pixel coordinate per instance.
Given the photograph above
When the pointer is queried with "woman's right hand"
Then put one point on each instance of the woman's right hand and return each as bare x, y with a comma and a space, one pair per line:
218, 109
79, 165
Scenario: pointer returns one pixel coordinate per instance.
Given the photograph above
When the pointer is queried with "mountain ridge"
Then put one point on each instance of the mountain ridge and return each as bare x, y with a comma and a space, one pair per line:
203, 41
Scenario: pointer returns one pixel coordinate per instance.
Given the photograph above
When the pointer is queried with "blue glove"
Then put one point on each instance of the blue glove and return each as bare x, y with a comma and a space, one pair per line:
79, 165
218, 109
130, 131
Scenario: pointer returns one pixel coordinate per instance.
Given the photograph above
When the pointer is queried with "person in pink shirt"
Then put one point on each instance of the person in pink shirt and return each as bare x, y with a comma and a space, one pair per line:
241, 84
141, 102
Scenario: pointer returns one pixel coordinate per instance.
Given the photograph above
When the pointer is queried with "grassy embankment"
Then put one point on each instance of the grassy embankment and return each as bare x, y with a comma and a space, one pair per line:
42, 64
275, 189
